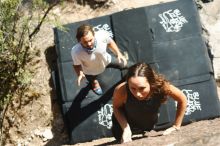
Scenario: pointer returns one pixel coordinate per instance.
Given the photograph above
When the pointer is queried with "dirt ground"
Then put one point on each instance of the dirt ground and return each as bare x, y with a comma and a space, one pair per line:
35, 119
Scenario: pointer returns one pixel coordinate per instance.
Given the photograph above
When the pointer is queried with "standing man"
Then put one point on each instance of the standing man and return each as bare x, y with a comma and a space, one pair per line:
90, 56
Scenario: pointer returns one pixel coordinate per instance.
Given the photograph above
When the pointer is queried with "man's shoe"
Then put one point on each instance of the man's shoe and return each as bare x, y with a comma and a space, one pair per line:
98, 91
96, 88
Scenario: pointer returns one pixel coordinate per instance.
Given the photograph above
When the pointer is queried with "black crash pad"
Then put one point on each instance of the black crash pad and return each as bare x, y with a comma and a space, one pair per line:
183, 58
202, 98
173, 20
167, 36
132, 35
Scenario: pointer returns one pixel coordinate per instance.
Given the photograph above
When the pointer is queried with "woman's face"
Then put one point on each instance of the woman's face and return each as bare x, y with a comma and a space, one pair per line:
139, 87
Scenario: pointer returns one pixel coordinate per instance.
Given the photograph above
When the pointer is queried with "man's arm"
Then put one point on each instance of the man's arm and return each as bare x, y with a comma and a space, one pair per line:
78, 69
79, 72
114, 48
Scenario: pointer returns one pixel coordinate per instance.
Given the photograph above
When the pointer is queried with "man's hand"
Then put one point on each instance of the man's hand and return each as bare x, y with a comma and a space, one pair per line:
126, 136
114, 48
80, 77
170, 130
79, 72
122, 58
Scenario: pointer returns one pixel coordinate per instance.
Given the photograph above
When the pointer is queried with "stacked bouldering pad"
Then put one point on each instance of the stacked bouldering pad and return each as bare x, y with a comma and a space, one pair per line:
167, 36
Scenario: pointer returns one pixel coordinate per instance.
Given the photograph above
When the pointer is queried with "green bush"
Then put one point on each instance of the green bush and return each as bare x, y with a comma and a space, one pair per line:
18, 26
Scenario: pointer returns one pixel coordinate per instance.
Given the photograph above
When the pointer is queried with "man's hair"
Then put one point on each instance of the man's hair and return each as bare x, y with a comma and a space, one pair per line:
83, 30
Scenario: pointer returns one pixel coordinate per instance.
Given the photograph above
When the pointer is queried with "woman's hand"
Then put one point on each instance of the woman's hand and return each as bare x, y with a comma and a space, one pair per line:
126, 136
170, 130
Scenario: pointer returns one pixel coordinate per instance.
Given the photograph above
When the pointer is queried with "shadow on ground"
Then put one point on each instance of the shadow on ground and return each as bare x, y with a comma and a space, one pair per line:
59, 130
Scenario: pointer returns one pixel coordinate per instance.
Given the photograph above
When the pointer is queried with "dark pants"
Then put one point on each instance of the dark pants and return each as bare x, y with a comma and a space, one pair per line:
113, 64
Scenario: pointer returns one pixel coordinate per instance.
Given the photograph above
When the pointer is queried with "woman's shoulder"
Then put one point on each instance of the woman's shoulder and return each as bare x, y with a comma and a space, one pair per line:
121, 89
120, 94
168, 88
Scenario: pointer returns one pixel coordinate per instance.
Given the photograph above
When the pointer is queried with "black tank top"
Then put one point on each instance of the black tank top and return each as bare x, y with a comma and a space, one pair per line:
142, 114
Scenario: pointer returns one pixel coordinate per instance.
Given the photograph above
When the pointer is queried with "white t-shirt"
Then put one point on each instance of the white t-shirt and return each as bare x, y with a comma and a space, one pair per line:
96, 62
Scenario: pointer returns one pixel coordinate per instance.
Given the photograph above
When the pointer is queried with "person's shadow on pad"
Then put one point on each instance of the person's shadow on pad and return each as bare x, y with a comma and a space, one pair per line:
85, 104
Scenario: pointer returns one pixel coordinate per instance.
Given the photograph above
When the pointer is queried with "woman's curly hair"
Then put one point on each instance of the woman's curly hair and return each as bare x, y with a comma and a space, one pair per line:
157, 81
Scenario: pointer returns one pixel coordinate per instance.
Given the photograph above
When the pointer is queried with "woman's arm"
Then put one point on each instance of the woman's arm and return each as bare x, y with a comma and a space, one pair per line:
118, 101
181, 100
119, 98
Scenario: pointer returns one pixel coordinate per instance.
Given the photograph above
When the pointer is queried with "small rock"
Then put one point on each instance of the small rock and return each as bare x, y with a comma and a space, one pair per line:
47, 134
37, 132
